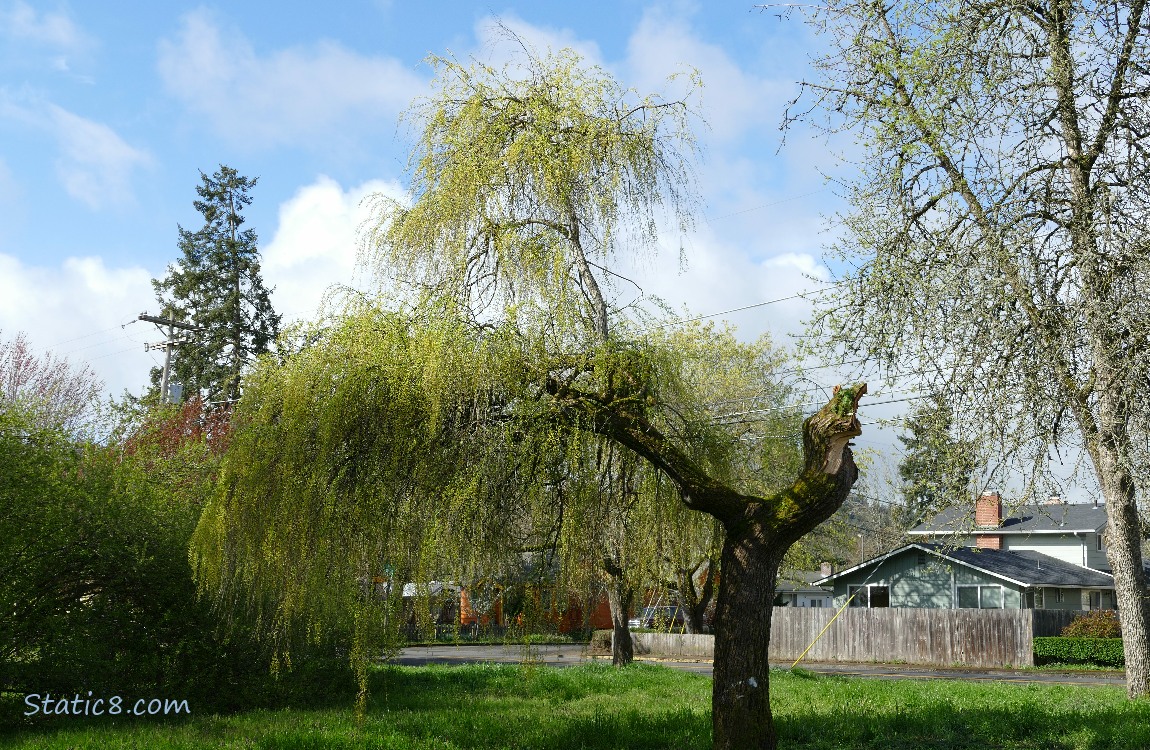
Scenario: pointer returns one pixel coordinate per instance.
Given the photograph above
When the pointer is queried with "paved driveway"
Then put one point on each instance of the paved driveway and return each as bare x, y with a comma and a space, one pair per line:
575, 654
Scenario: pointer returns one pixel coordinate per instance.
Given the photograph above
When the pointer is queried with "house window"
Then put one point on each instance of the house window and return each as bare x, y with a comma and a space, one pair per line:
1099, 542
1059, 596
979, 597
816, 602
872, 595
1095, 600
1039, 599
990, 597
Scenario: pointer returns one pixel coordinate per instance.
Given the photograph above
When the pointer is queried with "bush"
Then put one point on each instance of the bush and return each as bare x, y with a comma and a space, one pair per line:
1103, 652
97, 592
1100, 623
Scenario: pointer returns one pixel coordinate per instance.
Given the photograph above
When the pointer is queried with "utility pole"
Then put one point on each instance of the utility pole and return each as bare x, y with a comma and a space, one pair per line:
172, 342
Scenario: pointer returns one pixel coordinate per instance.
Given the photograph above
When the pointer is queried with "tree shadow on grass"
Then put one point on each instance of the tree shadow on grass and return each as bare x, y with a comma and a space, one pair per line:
321, 684
440, 708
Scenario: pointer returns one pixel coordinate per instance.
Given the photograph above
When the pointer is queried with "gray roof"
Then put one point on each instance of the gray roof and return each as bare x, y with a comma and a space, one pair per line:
1030, 568
799, 582
1026, 519
1020, 567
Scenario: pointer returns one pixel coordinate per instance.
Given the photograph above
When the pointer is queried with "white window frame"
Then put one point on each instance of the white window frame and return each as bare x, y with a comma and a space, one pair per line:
868, 587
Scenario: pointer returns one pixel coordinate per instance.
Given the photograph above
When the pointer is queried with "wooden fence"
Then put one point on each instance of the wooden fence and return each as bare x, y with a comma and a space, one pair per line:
937, 637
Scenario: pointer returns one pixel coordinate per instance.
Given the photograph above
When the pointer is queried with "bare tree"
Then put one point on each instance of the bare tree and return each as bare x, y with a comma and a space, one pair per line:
57, 394
996, 247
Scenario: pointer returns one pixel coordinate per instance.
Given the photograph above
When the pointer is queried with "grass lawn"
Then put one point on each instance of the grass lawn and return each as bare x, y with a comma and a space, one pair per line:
596, 706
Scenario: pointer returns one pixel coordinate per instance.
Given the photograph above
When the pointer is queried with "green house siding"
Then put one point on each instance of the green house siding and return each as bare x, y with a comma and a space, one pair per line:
1074, 598
917, 579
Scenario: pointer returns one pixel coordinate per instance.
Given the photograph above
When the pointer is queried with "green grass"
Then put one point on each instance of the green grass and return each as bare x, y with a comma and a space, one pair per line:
642, 707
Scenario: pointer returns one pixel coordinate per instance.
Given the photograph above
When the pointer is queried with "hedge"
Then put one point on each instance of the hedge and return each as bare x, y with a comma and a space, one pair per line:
1103, 652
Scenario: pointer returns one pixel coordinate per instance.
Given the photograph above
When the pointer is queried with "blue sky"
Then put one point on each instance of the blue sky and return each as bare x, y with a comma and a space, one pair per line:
107, 116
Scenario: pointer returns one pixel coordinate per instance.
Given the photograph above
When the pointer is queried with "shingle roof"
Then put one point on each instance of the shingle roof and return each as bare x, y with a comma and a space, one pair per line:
799, 582
1023, 567
1030, 568
1026, 519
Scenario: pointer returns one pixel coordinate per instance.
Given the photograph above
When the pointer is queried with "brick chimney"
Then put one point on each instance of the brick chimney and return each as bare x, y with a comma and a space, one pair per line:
826, 569
988, 515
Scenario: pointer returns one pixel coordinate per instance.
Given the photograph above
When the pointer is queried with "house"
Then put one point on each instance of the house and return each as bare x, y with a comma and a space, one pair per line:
933, 575
798, 588
1071, 533
1049, 556
441, 599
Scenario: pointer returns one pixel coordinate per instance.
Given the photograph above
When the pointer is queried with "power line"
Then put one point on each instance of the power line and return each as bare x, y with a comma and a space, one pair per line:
724, 312
97, 344
85, 336
766, 205
112, 354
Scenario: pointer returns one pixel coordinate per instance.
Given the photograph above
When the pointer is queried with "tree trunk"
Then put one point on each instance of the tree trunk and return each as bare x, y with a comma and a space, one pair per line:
1124, 552
620, 597
759, 531
740, 702
693, 599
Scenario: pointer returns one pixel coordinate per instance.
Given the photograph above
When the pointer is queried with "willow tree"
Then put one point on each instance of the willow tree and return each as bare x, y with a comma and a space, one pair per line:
526, 182
650, 539
376, 455
997, 243
744, 429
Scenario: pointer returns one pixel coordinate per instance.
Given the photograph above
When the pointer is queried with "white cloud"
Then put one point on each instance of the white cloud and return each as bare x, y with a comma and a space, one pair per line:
719, 276
20, 21
95, 163
76, 310
733, 100
50, 40
316, 243
501, 40
288, 96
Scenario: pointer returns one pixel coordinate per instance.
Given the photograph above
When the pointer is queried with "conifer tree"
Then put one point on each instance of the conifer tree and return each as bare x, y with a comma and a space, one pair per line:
216, 284
938, 467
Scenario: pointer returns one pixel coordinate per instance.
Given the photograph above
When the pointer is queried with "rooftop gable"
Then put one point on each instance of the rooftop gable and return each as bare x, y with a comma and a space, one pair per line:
1017, 567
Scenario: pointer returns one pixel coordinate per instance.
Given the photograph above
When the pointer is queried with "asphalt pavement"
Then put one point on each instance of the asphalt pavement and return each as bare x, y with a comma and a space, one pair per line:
566, 655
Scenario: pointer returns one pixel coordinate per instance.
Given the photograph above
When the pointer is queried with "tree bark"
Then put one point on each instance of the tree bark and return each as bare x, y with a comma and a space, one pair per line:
741, 705
693, 598
759, 531
1108, 449
620, 597
740, 701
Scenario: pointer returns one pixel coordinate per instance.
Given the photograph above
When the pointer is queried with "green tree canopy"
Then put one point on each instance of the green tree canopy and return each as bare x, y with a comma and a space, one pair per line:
372, 448
216, 284
937, 468
526, 181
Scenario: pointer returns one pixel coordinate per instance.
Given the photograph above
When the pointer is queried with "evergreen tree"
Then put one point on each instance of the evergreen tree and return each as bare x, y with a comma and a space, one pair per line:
216, 284
937, 468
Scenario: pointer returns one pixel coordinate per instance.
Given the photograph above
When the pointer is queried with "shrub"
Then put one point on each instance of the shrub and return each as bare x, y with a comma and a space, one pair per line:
97, 592
1100, 623
1103, 652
